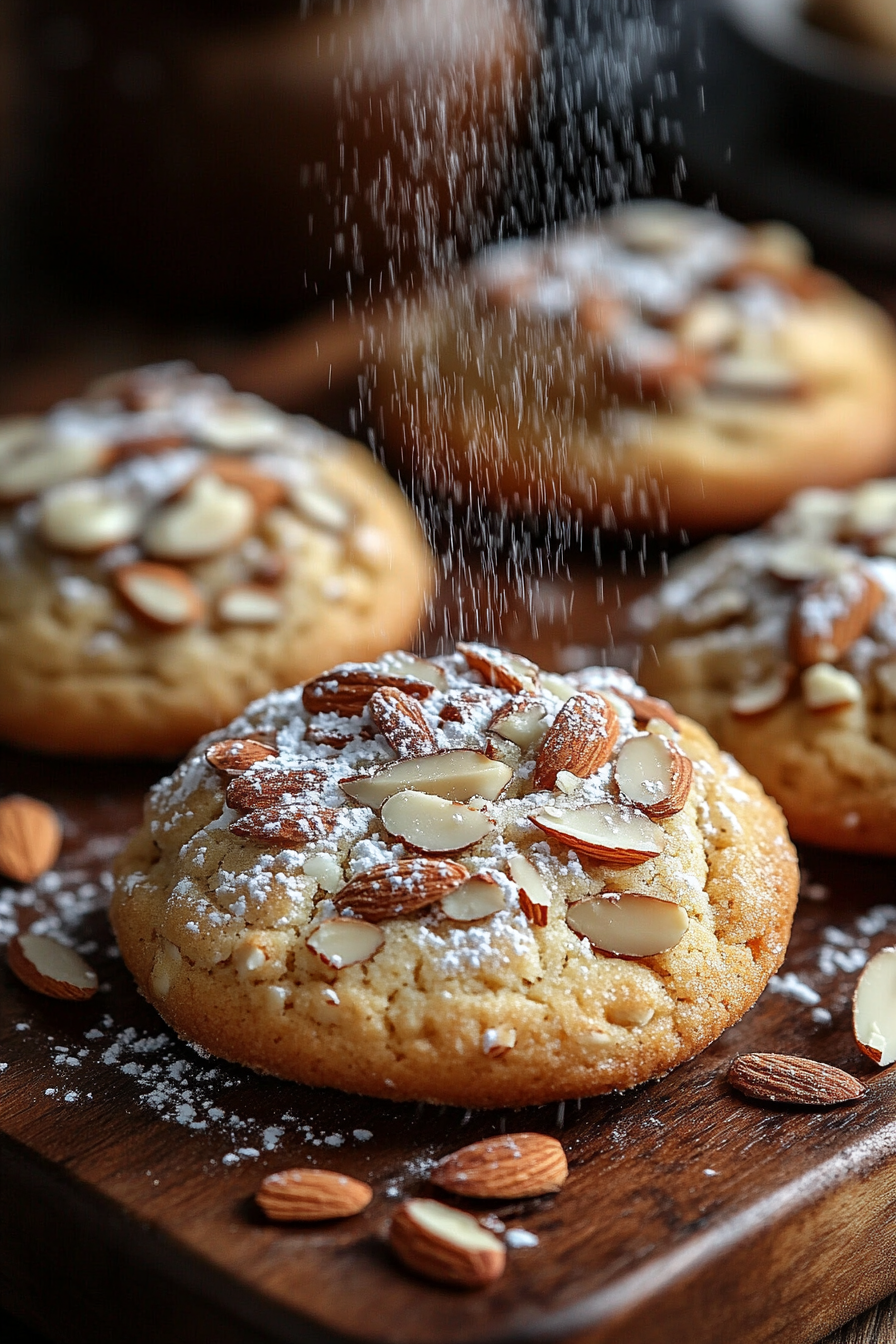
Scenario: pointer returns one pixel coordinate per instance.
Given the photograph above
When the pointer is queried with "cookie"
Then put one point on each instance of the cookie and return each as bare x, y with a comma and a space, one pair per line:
783, 643
462, 880
871, 22
170, 549
661, 366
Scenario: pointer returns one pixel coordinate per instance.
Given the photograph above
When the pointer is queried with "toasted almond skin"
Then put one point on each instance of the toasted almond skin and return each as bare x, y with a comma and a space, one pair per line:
148, 446
389, 890
268, 787
273, 825
401, 722
647, 707
30, 976
807, 645
233, 755
347, 693
682, 776
581, 739
439, 1259
790, 1079
495, 672
308, 1194
265, 490
30, 837
509, 1166
613, 857
169, 574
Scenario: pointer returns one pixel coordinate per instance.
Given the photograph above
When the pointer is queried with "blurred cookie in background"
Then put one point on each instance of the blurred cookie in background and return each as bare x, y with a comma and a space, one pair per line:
659, 367
871, 22
169, 550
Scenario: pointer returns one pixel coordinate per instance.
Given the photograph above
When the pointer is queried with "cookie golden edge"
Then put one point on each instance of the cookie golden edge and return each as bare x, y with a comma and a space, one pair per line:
47, 706
213, 1007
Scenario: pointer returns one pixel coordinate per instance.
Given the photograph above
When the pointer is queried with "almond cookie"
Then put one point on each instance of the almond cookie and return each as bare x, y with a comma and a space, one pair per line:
465, 881
661, 366
783, 643
170, 549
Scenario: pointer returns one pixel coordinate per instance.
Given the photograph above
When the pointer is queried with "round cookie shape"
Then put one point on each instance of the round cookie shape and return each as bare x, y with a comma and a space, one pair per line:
782, 642
411, 916
170, 549
661, 366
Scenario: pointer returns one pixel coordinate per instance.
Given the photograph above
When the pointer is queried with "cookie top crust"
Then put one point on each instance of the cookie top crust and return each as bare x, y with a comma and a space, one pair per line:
684, 303
169, 501
461, 879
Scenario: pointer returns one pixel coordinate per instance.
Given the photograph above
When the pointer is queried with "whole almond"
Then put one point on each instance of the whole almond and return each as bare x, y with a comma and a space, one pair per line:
233, 755
389, 890
791, 1079
445, 1244
346, 691
401, 722
509, 671
45, 965
30, 837
510, 1166
832, 613
581, 739
286, 825
269, 786
308, 1194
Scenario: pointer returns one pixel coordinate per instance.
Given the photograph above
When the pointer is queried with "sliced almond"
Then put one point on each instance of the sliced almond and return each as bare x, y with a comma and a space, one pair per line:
18, 433
712, 322
800, 558
498, 1041
760, 377
208, 518
45, 965
445, 1244
249, 604
580, 740
346, 690
508, 670
872, 511
432, 824
401, 722
241, 422
310, 1194
457, 775
418, 669
477, 898
270, 786
345, 942
509, 1166
161, 595
557, 685
832, 614
535, 899
827, 688
874, 1008
647, 707
654, 774
284, 825
628, 924
619, 836
749, 701
266, 491
233, 755
147, 445
522, 720
49, 462
793, 1080
322, 509
80, 517
30, 837
391, 889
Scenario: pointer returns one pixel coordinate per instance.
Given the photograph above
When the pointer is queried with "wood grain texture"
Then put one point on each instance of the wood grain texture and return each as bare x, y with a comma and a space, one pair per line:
689, 1213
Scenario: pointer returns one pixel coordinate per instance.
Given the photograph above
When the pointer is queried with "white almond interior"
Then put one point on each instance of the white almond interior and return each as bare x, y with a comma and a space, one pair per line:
210, 517
345, 942
49, 463
56, 962
644, 769
529, 879
457, 775
451, 1225
476, 899
79, 516
246, 604
605, 825
629, 924
874, 1007
434, 824
164, 601
524, 727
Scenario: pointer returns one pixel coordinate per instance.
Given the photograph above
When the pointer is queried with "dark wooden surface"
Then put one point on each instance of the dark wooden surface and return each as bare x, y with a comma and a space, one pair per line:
121, 1221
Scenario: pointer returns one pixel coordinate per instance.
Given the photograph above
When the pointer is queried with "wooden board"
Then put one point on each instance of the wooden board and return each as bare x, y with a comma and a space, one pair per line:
689, 1214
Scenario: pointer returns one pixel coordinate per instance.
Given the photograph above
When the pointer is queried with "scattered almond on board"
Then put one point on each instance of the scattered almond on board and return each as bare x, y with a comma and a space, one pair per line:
446, 1244
510, 1166
311, 1194
50, 968
874, 1008
792, 1080
30, 837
